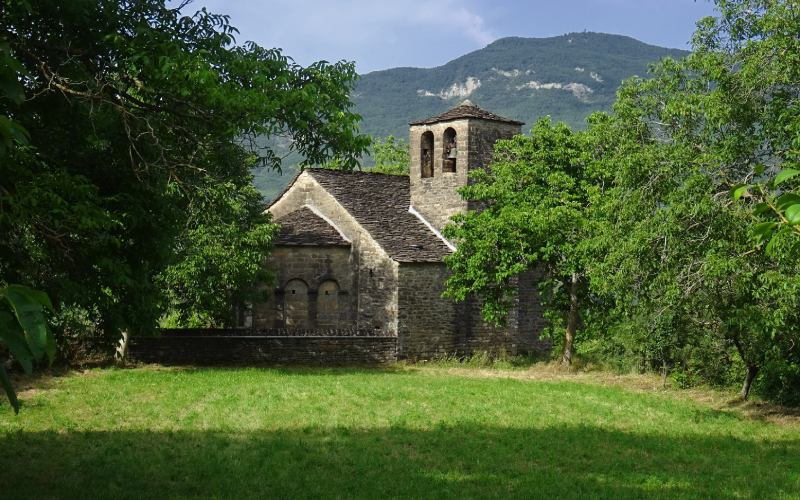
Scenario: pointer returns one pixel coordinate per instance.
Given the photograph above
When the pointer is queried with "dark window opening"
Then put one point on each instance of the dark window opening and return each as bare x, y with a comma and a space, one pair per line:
450, 154
426, 154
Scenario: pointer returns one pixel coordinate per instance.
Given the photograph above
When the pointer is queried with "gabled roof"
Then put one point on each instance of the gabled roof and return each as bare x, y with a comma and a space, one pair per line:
304, 227
466, 110
380, 204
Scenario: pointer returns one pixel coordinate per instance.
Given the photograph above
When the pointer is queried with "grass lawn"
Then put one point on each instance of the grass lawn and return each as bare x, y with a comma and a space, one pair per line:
404, 432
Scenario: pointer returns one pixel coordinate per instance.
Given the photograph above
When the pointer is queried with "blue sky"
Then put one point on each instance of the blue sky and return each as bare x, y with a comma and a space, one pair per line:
380, 35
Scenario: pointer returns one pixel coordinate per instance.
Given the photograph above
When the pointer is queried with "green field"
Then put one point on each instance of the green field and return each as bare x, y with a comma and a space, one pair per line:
404, 432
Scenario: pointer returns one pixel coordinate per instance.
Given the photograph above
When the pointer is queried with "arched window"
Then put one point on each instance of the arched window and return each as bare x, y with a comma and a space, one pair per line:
295, 308
426, 154
450, 150
328, 304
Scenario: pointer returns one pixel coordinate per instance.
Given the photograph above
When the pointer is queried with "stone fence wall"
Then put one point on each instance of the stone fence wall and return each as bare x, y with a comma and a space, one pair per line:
272, 332
227, 347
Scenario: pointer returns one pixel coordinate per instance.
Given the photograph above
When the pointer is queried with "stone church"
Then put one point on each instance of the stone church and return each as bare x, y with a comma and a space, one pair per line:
364, 251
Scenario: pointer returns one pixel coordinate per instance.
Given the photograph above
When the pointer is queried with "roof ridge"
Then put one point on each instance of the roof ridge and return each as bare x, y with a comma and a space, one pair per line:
350, 172
466, 110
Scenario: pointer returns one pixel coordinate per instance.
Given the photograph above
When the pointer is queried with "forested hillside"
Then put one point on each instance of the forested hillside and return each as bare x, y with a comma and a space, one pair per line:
566, 77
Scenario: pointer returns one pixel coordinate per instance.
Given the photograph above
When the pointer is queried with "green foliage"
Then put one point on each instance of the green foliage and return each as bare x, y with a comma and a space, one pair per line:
228, 238
675, 252
130, 192
664, 207
24, 331
531, 215
390, 156
534, 215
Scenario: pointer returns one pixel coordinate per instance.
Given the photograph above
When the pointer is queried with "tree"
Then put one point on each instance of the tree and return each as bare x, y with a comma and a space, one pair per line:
142, 126
24, 331
391, 156
662, 246
677, 250
533, 214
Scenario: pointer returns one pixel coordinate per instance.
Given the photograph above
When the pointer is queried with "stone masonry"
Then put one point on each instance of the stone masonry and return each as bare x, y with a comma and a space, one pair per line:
364, 252
436, 198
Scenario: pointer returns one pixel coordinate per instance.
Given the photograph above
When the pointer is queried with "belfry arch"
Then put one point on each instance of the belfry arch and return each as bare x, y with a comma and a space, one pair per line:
426, 154
449, 150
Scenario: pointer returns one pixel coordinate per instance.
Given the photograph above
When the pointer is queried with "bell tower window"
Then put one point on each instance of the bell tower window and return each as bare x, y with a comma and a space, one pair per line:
426, 154
450, 150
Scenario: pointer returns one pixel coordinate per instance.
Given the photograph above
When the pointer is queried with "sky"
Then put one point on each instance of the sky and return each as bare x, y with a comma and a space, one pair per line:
386, 34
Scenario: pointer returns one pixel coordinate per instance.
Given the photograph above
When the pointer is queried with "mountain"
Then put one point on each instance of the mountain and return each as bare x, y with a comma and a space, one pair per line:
567, 77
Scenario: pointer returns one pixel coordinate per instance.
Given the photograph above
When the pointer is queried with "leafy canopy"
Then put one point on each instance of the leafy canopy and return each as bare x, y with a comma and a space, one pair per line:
128, 131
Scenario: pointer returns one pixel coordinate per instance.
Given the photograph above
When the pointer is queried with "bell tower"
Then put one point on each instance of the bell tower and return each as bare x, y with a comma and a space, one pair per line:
444, 148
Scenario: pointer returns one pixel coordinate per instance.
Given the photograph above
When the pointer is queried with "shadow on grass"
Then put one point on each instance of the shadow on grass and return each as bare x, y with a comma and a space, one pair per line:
447, 461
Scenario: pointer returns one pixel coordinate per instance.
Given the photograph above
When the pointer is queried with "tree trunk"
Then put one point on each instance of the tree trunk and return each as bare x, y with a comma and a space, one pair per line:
572, 320
121, 352
752, 371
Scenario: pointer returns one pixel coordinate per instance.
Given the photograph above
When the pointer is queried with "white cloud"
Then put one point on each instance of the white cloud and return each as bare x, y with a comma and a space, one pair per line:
448, 15
361, 30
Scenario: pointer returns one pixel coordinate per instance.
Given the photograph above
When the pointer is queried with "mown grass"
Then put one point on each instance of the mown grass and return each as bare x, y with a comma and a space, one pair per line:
405, 432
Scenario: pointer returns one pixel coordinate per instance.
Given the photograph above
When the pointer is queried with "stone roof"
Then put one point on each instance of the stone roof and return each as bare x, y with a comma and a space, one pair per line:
380, 203
304, 227
466, 110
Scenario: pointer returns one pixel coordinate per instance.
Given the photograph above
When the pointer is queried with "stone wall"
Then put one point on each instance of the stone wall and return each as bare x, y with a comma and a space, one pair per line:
269, 332
429, 323
482, 136
243, 350
373, 275
521, 332
328, 289
432, 326
530, 319
436, 198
